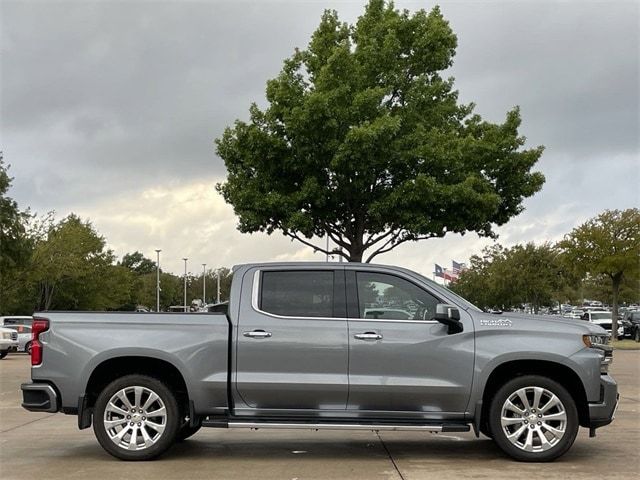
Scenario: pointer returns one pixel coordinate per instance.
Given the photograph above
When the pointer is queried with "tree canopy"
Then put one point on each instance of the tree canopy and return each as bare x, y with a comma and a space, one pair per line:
505, 277
72, 267
15, 244
363, 140
138, 263
608, 245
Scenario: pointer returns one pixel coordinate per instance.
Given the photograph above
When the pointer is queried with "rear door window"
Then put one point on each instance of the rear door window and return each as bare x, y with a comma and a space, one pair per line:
297, 293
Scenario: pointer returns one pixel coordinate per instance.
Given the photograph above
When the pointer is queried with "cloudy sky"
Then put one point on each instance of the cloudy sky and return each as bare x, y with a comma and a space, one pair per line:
109, 109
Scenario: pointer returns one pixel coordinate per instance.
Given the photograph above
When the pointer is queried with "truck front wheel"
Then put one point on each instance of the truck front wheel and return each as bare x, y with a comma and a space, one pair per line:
533, 419
136, 417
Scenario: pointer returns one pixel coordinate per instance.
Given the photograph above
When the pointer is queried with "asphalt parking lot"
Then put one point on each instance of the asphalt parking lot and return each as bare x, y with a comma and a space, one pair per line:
50, 446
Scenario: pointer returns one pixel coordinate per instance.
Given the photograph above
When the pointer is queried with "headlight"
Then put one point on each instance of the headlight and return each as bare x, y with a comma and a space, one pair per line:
595, 341
601, 343
6, 335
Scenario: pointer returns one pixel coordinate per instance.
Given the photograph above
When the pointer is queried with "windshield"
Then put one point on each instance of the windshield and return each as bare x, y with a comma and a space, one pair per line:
601, 316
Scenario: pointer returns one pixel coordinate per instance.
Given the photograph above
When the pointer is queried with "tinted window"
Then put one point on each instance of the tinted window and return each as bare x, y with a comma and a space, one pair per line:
297, 293
387, 297
20, 328
17, 321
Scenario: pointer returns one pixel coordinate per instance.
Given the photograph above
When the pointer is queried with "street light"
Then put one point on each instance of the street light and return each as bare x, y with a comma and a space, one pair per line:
158, 280
185, 284
218, 278
204, 283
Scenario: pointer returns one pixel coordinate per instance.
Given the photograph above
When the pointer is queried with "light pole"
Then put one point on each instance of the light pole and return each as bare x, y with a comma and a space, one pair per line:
218, 278
327, 257
185, 284
204, 283
158, 280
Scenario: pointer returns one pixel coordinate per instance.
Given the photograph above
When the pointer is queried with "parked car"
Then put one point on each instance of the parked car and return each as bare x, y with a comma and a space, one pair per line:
633, 319
8, 341
296, 350
575, 313
24, 337
603, 319
15, 320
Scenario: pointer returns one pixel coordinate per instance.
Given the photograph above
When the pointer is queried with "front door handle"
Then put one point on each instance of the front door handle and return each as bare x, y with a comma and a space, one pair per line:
257, 334
370, 336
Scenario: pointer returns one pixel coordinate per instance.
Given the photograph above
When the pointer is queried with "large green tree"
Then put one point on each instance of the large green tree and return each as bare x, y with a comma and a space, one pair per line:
609, 245
73, 270
15, 248
506, 277
363, 140
138, 263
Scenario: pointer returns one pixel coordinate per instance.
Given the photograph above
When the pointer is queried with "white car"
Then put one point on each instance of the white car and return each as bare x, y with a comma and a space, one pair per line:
604, 319
24, 337
8, 341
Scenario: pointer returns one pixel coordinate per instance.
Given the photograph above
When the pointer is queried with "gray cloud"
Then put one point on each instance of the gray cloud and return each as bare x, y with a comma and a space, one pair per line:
103, 100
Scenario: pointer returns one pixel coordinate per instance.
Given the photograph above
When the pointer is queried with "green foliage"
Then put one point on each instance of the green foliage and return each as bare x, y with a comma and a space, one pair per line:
607, 245
507, 277
15, 246
72, 269
194, 285
138, 263
364, 140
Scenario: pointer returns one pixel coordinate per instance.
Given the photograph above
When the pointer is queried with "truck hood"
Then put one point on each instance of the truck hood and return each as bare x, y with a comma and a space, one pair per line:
548, 323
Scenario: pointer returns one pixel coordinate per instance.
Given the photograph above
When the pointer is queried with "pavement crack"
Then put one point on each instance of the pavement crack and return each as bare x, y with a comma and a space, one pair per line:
630, 399
28, 423
395, 465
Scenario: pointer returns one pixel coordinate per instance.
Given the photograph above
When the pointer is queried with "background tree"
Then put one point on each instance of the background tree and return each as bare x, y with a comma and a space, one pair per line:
194, 287
364, 141
507, 277
138, 263
72, 270
607, 245
15, 247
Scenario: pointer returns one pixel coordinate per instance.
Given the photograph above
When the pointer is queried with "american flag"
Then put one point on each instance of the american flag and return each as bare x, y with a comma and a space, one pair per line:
457, 267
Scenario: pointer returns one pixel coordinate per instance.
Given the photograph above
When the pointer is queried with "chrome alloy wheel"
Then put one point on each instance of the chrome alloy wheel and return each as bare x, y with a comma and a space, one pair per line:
533, 419
135, 418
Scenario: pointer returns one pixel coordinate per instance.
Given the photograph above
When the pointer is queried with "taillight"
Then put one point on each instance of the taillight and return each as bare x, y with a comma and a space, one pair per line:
39, 325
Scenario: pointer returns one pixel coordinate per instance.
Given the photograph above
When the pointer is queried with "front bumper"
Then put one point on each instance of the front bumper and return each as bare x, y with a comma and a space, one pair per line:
39, 397
8, 345
602, 412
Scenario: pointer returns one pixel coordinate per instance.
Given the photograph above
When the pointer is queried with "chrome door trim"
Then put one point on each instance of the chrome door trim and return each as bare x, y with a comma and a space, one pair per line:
255, 296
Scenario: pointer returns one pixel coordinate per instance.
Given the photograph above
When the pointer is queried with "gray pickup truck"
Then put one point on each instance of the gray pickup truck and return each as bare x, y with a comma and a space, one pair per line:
324, 346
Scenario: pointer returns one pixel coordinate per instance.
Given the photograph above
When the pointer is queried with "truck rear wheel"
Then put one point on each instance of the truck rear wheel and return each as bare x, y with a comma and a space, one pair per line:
136, 417
533, 419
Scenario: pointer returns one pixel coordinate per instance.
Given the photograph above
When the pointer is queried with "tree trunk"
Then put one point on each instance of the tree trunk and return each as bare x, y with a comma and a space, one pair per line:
615, 289
356, 249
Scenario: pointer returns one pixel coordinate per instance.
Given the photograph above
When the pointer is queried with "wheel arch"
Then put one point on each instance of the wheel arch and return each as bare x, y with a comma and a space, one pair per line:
115, 367
559, 372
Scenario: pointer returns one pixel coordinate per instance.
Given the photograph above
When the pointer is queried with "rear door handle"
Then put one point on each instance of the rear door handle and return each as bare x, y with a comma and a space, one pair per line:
370, 336
257, 334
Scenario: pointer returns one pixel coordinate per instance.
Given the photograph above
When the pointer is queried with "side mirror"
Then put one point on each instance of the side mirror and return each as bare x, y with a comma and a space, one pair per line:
449, 316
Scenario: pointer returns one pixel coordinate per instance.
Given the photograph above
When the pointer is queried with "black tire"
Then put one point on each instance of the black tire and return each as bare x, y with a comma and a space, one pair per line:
186, 431
4, 354
500, 436
636, 335
166, 438
27, 348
